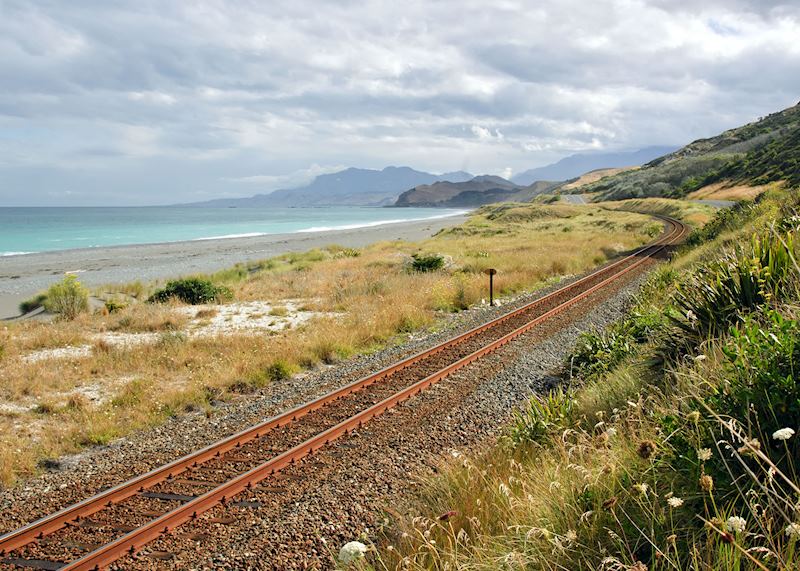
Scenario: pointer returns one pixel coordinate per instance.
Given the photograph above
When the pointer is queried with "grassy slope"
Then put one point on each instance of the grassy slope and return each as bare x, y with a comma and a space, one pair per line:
373, 298
668, 426
761, 152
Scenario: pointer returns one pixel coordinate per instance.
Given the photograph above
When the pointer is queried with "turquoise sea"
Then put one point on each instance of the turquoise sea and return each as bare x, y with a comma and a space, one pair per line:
27, 230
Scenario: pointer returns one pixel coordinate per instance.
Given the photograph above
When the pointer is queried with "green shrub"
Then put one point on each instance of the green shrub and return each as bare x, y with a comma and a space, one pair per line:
35, 302
597, 353
341, 252
427, 262
761, 385
193, 291
67, 298
542, 417
720, 292
113, 305
280, 370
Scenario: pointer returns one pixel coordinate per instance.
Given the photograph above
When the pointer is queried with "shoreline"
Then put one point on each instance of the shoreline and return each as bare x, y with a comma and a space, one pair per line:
24, 275
310, 230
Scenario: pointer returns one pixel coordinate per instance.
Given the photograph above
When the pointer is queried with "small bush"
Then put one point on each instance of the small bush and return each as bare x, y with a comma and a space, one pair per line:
427, 262
279, 311
542, 417
172, 339
33, 303
761, 387
193, 291
280, 370
597, 353
722, 291
340, 252
113, 305
67, 298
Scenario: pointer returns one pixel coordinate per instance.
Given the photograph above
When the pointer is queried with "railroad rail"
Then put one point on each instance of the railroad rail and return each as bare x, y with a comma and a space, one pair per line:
94, 533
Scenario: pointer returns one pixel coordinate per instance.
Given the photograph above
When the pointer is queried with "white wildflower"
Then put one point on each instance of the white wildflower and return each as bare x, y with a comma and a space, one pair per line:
572, 536
641, 488
793, 531
704, 454
352, 552
675, 502
735, 524
611, 432
783, 434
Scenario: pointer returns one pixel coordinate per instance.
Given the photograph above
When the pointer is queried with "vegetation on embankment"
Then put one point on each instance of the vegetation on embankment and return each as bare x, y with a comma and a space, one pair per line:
672, 444
70, 384
694, 213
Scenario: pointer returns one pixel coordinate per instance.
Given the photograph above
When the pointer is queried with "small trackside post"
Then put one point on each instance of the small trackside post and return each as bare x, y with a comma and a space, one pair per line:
491, 272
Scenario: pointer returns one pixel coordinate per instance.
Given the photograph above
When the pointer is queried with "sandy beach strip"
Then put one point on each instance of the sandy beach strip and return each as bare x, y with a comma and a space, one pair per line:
25, 275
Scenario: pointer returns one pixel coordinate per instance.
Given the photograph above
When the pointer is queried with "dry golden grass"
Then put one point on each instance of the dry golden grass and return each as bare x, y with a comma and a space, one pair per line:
695, 214
366, 299
726, 190
594, 176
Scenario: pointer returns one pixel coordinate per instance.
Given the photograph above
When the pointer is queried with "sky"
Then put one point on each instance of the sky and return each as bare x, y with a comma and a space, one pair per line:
105, 102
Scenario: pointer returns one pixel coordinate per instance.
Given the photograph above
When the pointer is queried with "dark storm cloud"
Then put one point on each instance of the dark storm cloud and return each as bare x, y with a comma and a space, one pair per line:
111, 102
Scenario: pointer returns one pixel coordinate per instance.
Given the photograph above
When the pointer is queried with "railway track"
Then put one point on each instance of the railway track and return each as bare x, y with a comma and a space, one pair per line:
94, 533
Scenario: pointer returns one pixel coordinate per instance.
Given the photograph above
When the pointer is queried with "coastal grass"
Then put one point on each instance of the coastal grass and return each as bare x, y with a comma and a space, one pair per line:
364, 299
693, 213
670, 450
728, 190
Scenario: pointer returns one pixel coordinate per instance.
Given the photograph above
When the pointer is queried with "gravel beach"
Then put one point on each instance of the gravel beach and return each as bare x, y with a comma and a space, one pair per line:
23, 276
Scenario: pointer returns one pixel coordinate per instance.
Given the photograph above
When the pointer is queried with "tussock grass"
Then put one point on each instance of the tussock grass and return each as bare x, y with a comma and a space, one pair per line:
366, 299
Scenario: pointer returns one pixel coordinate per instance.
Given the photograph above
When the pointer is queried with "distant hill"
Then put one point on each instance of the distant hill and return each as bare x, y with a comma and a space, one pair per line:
575, 165
764, 151
592, 176
475, 192
353, 187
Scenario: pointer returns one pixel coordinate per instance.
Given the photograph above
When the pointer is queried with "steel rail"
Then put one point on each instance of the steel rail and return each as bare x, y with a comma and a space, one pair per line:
191, 509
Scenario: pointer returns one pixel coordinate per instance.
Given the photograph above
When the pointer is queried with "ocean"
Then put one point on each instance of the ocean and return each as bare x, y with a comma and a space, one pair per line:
28, 230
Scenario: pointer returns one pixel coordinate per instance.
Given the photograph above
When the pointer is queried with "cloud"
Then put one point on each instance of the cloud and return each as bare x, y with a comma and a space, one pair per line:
171, 101
298, 178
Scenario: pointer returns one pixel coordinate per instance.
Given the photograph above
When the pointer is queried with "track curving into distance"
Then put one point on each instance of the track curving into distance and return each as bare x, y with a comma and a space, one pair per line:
94, 533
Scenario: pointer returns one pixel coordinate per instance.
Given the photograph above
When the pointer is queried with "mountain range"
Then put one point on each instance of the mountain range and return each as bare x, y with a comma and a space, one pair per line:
368, 187
575, 165
349, 187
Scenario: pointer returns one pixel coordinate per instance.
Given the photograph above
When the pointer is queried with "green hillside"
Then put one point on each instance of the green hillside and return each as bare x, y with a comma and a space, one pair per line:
760, 152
